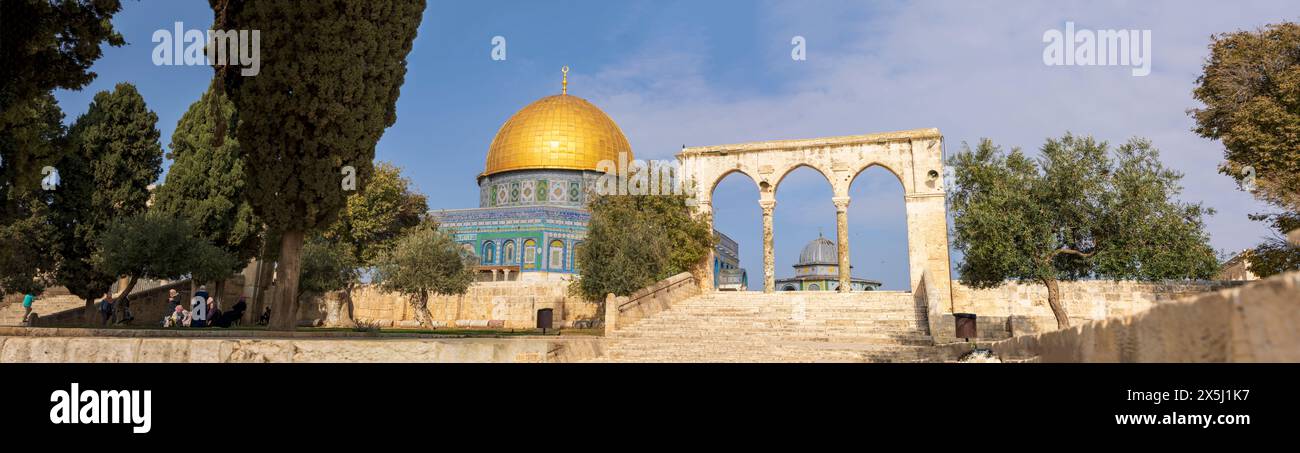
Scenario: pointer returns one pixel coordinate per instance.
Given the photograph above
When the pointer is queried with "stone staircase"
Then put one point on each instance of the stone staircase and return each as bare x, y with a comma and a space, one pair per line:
874, 326
11, 313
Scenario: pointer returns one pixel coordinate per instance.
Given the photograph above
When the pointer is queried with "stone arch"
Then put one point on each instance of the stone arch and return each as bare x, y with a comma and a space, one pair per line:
891, 220
911, 155
828, 175
713, 185
897, 176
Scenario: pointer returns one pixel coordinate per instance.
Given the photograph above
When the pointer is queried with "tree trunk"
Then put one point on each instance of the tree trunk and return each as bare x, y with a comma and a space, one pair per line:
421, 305
125, 294
1054, 301
126, 291
283, 312
265, 271
92, 314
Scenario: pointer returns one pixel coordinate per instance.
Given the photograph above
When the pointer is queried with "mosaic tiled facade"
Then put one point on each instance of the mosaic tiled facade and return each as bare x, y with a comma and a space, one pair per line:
540, 173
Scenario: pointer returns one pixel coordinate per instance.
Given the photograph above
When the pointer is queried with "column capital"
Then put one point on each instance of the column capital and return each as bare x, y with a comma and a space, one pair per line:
841, 203
767, 205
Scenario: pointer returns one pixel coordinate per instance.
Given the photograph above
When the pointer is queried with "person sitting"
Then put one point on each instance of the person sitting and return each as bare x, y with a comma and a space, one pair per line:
265, 318
176, 318
214, 309
199, 308
232, 317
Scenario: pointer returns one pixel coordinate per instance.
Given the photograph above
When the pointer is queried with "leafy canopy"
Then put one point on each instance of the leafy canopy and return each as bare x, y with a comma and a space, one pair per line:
157, 246
634, 241
1080, 210
45, 45
1251, 91
114, 157
205, 183
323, 98
27, 237
425, 260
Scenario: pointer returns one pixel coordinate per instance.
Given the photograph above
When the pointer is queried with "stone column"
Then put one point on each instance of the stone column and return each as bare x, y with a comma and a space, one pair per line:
842, 241
769, 256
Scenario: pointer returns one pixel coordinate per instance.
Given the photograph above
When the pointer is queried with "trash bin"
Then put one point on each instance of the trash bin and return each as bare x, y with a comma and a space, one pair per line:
965, 325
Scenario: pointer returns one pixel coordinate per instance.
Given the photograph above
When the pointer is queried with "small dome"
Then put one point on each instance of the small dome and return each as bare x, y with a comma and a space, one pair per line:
819, 251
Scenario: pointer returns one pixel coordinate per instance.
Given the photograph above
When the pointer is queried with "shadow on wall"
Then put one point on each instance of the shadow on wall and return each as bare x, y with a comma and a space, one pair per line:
150, 306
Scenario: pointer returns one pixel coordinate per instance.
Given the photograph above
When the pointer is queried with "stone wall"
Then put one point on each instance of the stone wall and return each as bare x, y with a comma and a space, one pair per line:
497, 305
150, 306
1021, 309
1257, 322
23, 345
624, 311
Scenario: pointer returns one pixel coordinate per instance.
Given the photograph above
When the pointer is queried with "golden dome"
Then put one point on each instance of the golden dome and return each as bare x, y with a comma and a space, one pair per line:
558, 132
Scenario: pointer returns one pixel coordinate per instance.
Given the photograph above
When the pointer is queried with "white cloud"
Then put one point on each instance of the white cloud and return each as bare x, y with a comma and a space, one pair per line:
973, 69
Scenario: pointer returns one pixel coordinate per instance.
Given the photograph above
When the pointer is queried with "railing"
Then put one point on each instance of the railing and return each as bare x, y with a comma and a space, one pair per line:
624, 311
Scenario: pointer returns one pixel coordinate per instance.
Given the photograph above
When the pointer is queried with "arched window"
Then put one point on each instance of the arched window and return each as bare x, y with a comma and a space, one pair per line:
489, 252
787, 288
508, 253
557, 255
814, 287
530, 254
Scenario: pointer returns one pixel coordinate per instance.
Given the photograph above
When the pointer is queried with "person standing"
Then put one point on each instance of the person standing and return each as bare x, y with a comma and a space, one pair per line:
27, 307
106, 308
199, 308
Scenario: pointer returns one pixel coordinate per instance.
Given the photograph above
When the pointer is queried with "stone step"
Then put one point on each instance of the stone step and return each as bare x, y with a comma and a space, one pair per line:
780, 327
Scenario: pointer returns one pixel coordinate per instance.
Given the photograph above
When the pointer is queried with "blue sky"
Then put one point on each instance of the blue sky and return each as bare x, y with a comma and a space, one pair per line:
702, 73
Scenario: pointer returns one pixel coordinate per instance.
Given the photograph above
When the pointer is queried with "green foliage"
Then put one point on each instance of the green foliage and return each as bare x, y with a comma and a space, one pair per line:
209, 263
1251, 91
27, 247
314, 112
373, 219
51, 44
326, 266
425, 260
31, 137
44, 45
34, 135
1275, 255
1078, 211
321, 103
205, 183
158, 246
114, 156
634, 241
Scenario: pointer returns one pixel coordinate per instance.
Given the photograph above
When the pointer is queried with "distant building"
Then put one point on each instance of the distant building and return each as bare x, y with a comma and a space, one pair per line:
1237, 269
818, 269
727, 273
